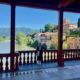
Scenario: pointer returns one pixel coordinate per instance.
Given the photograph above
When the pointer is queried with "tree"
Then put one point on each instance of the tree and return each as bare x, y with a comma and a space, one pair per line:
45, 46
1, 38
34, 44
40, 29
67, 32
79, 22
20, 38
65, 46
48, 27
55, 46
4, 36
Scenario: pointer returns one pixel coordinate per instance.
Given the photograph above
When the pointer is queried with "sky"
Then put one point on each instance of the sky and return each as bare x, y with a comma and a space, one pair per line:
32, 18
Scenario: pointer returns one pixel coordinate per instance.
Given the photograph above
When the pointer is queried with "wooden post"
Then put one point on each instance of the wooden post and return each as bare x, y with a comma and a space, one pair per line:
12, 53
60, 37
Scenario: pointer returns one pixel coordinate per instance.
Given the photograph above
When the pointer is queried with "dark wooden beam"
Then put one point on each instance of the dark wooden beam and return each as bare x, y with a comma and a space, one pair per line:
60, 37
12, 53
40, 6
64, 3
37, 6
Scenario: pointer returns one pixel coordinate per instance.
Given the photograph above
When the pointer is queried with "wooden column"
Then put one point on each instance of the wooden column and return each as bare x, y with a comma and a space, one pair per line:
60, 37
12, 53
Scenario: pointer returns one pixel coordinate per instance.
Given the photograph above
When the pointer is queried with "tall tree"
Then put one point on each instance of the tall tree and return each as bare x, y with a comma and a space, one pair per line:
20, 38
79, 22
40, 29
48, 27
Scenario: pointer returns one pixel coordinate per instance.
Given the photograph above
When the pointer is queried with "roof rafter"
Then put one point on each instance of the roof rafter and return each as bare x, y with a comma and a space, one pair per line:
64, 3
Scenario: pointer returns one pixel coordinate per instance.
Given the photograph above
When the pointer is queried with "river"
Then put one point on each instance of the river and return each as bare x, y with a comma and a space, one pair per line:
5, 47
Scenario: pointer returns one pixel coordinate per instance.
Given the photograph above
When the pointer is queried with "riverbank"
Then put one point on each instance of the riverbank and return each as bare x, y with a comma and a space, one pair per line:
5, 47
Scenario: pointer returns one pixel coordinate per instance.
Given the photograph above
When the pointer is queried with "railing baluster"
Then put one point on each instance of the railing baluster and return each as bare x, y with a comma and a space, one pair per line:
68, 54
73, 55
76, 54
24, 58
1, 64
64, 55
6, 69
28, 58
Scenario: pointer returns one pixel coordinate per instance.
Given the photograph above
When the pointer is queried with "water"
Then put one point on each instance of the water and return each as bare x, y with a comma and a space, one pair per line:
5, 47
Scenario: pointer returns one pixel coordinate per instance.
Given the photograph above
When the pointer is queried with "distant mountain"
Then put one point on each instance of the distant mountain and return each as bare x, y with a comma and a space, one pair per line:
6, 31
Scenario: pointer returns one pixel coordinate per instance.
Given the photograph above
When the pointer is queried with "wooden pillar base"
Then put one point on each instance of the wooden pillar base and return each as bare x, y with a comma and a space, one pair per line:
61, 63
1, 69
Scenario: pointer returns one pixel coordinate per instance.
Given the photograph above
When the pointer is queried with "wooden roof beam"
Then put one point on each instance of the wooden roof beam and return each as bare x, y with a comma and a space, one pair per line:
64, 3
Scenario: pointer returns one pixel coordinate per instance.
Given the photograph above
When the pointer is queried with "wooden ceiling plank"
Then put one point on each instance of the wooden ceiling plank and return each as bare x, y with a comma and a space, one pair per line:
65, 3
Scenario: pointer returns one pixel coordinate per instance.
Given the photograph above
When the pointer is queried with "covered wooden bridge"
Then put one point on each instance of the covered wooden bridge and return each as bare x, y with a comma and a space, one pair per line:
56, 55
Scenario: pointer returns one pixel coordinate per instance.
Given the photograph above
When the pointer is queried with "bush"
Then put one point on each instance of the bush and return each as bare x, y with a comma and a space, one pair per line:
34, 44
53, 46
45, 46
72, 35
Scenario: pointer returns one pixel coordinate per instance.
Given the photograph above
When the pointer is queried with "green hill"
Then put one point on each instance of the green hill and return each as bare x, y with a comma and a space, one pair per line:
6, 31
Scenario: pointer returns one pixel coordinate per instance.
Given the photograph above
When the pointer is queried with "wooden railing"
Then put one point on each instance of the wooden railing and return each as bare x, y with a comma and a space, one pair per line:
27, 57
5, 62
71, 54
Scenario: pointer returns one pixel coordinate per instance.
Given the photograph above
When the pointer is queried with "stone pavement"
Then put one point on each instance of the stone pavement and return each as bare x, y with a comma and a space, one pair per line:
59, 73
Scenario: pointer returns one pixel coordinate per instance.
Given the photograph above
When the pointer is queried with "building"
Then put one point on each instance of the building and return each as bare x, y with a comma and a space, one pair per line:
67, 25
48, 38
54, 38
44, 38
73, 42
37, 37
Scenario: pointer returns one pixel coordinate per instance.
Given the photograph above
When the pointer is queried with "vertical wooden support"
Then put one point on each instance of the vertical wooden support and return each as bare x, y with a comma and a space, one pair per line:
17, 67
24, 58
48, 56
60, 37
12, 53
44, 56
28, 58
31, 58
34, 57
51, 56
6, 69
20, 59
1, 64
